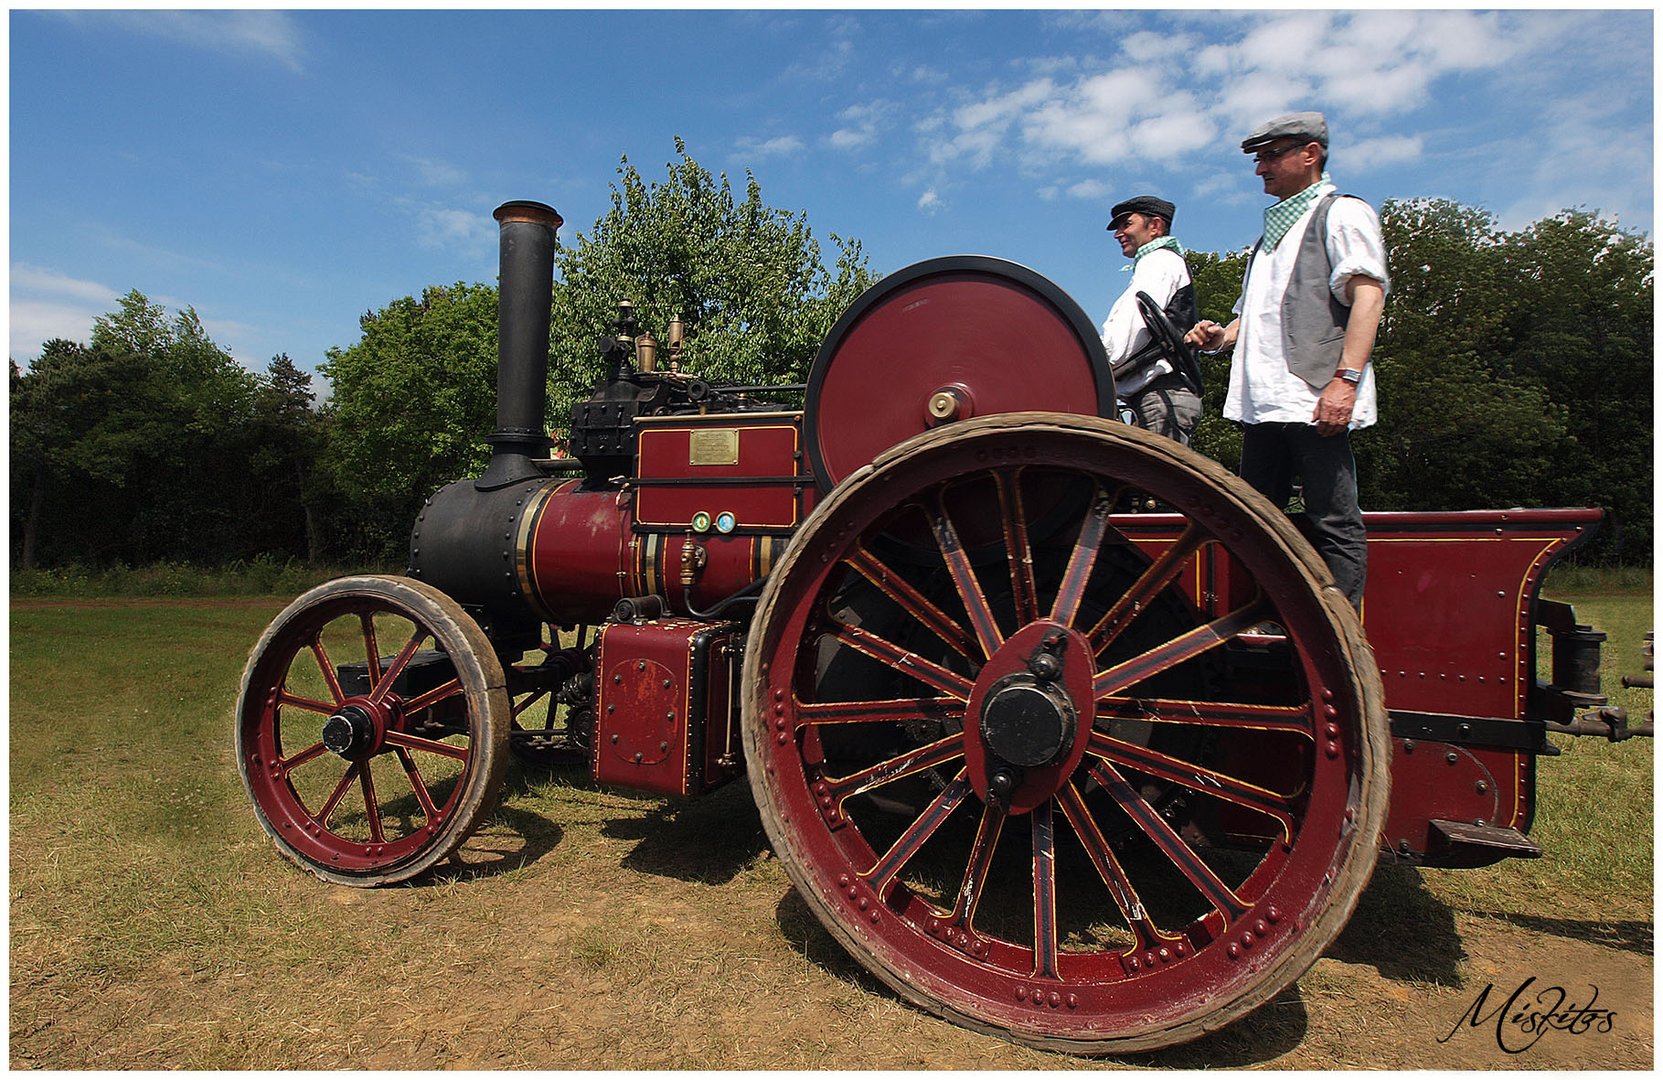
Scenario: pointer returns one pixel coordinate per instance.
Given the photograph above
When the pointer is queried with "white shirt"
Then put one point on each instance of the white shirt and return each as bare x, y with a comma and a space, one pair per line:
1262, 389
1161, 273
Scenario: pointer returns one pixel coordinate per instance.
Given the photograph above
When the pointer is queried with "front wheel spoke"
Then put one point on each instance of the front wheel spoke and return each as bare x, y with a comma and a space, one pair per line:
1196, 778
396, 668
321, 655
417, 784
931, 756
988, 634
372, 809
887, 652
1230, 715
433, 697
882, 874
1082, 560
1155, 577
372, 653
309, 704
1186, 646
1018, 550
914, 603
1045, 892
335, 797
894, 710
1149, 936
316, 750
1220, 895
416, 742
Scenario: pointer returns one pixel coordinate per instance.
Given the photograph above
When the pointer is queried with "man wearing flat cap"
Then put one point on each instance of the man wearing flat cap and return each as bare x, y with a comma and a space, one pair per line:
1162, 391
1300, 377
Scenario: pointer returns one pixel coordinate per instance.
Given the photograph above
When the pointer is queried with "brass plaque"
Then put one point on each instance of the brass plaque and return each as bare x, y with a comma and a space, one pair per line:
713, 446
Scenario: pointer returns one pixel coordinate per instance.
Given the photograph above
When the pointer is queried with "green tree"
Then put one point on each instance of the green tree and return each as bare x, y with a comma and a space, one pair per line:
747, 279
412, 401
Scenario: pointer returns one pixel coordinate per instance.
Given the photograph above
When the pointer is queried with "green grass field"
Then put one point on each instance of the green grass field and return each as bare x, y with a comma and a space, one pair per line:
153, 925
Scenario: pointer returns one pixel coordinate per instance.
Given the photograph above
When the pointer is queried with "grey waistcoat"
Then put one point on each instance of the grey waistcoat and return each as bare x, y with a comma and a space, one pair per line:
1313, 322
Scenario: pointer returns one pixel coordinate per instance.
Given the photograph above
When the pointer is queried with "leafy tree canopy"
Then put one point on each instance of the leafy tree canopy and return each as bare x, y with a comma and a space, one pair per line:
747, 279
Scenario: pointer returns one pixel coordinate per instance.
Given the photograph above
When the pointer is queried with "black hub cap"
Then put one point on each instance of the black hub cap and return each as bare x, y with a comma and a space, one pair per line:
349, 732
1027, 722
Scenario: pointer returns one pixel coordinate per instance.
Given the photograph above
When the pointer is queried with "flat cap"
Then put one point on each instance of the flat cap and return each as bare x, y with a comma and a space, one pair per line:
1142, 204
1304, 126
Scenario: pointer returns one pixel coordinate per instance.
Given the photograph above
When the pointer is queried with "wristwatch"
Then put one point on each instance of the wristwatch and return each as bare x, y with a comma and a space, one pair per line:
1350, 375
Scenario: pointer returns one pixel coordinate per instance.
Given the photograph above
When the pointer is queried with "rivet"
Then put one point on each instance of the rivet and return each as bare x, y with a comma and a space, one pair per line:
1055, 999
863, 903
1273, 913
1260, 928
638, 757
1332, 751
843, 879
1073, 1001
1333, 731
779, 695
1235, 950
640, 665
1149, 958
1482, 787
1132, 963
663, 746
1022, 993
614, 736
1450, 757
780, 738
1166, 954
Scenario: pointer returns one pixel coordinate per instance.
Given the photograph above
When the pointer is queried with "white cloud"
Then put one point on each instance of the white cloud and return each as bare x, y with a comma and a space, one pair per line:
271, 34
1386, 150
1180, 94
929, 202
444, 228
1088, 189
779, 144
46, 304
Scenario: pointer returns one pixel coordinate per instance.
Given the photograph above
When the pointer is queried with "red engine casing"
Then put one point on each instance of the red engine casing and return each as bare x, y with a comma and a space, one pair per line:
664, 716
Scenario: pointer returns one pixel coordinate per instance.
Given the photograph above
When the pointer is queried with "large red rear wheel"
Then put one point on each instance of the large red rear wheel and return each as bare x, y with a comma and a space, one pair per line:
1030, 778
372, 729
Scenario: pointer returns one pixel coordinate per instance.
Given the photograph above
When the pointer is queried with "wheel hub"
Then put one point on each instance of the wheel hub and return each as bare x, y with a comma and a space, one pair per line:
350, 733
1027, 722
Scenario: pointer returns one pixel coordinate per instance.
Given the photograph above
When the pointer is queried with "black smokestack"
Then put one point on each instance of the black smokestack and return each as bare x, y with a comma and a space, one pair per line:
524, 295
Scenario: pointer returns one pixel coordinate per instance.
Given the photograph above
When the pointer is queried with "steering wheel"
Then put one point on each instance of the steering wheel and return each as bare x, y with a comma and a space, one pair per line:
1167, 336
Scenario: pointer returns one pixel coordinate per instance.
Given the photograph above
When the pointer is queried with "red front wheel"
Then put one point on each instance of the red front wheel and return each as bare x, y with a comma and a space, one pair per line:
372, 729
1025, 763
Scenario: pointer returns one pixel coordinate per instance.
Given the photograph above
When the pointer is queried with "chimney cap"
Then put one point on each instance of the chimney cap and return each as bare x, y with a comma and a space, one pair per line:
527, 210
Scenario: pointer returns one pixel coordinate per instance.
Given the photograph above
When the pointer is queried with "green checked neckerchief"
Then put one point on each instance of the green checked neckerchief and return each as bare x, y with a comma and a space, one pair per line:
1281, 217
1156, 245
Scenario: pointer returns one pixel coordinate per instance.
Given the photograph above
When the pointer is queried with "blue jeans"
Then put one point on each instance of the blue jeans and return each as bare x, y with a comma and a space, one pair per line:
1273, 454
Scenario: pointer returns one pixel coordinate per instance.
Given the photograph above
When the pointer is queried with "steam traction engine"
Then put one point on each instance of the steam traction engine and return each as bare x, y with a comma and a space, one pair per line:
1057, 726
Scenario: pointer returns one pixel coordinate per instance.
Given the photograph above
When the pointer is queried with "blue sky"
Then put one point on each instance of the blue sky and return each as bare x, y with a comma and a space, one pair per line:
284, 172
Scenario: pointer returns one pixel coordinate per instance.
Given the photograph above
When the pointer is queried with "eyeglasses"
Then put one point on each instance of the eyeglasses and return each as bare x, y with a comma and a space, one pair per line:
1271, 155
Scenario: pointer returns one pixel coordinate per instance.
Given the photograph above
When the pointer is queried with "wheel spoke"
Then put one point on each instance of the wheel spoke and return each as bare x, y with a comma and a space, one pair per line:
417, 784
290, 764
372, 809
1155, 577
372, 653
1196, 778
1184, 647
306, 703
334, 800
1017, 548
1045, 892
385, 682
530, 700
1082, 559
1149, 936
433, 697
1221, 896
963, 574
925, 671
911, 601
882, 874
1231, 715
416, 742
321, 655
975, 871
931, 756
894, 710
